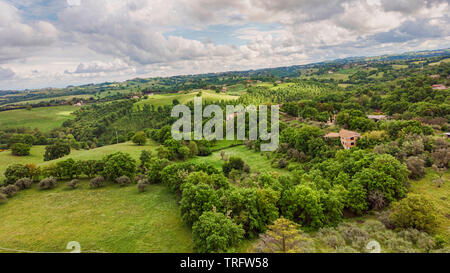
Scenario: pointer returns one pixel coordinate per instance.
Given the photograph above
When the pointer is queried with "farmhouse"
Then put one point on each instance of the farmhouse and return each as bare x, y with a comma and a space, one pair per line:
438, 87
348, 138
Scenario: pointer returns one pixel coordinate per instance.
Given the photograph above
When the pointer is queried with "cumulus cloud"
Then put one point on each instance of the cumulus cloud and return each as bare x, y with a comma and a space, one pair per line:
19, 39
6, 74
167, 37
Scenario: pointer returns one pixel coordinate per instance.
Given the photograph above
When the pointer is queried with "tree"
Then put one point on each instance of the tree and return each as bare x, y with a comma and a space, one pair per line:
195, 200
97, 182
15, 172
57, 150
303, 204
415, 211
117, 165
283, 236
140, 138
213, 232
252, 208
20, 149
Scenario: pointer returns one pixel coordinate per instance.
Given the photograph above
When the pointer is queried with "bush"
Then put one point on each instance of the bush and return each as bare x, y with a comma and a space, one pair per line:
16, 172
213, 232
415, 211
416, 166
24, 183
20, 149
282, 163
3, 198
142, 185
234, 163
73, 184
97, 182
123, 181
10, 190
47, 183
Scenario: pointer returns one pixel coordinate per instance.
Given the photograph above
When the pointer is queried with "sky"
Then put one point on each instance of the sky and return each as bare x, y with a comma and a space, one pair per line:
55, 43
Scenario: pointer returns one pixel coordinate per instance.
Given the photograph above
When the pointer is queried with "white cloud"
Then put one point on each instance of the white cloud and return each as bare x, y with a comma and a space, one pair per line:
19, 39
115, 39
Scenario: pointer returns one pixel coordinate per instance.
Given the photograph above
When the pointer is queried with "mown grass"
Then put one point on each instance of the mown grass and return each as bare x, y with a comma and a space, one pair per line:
109, 219
44, 118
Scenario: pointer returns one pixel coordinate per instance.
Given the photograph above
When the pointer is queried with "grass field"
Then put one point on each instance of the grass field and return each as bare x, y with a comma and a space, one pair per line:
256, 161
166, 99
37, 154
45, 118
66, 98
447, 60
109, 219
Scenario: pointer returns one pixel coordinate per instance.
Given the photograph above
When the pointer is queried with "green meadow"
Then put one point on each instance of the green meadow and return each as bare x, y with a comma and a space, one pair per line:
183, 98
45, 118
109, 219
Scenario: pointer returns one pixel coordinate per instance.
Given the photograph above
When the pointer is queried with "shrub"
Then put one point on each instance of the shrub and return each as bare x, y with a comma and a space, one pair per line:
24, 183
234, 163
139, 177
3, 198
123, 181
416, 166
415, 211
282, 163
16, 172
47, 183
73, 184
214, 232
97, 182
376, 200
142, 185
20, 149
10, 190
